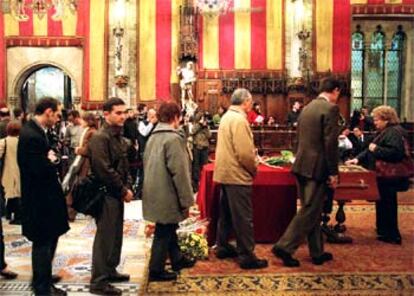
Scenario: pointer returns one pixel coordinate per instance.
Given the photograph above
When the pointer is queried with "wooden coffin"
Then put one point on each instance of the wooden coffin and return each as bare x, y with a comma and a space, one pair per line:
356, 183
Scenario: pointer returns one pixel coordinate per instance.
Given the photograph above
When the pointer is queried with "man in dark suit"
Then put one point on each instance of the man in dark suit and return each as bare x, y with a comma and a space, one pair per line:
44, 216
360, 142
316, 168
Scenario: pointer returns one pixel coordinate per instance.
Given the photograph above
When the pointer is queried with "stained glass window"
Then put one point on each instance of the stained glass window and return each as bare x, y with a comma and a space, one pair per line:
357, 73
377, 75
374, 77
394, 69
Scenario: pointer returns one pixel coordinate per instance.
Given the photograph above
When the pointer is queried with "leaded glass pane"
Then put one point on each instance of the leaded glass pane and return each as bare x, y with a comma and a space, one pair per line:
374, 76
357, 70
356, 104
394, 102
358, 41
393, 72
397, 41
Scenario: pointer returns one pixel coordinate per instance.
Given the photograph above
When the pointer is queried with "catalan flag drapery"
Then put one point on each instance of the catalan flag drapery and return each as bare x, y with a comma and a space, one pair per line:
333, 35
87, 22
250, 36
382, 1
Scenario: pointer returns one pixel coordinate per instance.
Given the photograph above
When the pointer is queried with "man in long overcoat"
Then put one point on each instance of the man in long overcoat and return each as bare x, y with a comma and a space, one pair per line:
44, 215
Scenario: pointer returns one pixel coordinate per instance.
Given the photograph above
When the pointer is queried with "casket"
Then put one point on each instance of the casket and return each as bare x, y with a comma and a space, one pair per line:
355, 182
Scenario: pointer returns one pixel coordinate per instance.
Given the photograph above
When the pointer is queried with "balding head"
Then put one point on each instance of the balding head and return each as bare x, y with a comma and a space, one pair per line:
242, 97
152, 115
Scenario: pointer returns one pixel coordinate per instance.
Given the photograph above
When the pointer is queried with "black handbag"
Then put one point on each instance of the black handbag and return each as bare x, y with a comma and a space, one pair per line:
88, 196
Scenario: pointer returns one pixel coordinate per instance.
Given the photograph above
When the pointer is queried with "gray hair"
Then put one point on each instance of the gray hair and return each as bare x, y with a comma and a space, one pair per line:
239, 96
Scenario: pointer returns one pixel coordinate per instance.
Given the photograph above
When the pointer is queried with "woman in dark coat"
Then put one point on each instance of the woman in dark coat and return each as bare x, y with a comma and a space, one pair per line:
388, 146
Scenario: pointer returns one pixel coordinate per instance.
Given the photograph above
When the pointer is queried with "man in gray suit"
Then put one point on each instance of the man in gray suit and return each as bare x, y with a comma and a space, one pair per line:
316, 169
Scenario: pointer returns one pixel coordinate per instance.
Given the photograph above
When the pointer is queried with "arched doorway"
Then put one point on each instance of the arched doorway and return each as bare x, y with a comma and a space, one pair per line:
45, 80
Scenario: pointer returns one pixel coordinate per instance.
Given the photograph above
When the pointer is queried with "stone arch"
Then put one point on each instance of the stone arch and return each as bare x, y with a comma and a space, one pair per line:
23, 61
30, 69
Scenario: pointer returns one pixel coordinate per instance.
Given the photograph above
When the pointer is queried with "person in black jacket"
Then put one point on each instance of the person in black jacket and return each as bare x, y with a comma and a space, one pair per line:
109, 164
388, 146
131, 133
293, 115
44, 215
359, 140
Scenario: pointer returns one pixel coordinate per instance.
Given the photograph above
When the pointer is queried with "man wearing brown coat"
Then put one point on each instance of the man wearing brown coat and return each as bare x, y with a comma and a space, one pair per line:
235, 168
316, 168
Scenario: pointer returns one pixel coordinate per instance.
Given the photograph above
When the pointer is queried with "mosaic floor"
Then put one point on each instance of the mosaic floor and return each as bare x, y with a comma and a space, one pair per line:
73, 256
368, 267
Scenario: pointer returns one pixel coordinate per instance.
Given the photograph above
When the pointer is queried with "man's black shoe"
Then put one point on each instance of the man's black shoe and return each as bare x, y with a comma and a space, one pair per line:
164, 276
105, 289
52, 292
15, 222
339, 238
287, 259
390, 240
119, 277
254, 263
184, 263
8, 275
57, 292
56, 278
226, 252
322, 258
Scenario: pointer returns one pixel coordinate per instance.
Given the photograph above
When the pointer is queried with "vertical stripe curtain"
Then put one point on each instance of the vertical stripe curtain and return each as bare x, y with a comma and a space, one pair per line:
88, 22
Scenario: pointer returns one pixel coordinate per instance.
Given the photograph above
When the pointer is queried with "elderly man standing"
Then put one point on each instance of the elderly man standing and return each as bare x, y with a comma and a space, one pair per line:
235, 169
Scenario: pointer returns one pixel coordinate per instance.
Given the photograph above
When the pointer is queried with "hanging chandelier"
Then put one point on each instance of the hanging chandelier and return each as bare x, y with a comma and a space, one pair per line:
19, 8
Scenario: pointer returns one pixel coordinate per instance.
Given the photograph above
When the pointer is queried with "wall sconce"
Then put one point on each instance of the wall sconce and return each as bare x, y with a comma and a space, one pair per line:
303, 35
13, 101
118, 31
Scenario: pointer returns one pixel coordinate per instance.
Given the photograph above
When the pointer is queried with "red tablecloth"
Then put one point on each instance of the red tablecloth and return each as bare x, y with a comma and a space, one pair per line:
274, 202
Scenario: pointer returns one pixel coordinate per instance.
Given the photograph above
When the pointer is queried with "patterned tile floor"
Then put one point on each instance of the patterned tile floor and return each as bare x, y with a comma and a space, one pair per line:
73, 260
73, 256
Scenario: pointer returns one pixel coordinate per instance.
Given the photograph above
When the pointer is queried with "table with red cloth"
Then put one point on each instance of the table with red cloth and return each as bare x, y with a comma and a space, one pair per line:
273, 198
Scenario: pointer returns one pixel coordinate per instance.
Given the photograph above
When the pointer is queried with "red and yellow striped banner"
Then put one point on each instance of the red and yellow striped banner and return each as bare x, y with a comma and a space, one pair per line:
158, 43
251, 37
382, 1
88, 22
45, 26
333, 32
248, 37
2, 61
